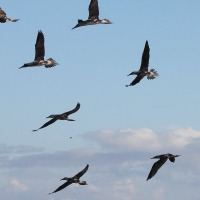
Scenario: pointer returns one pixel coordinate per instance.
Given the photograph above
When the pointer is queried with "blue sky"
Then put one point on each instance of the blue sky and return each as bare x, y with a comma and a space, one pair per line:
117, 129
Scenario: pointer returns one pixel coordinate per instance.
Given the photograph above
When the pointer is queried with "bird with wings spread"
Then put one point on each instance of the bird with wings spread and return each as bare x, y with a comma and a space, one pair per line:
143, 71
74, 179
93, 18
39, 54
63, 116
157, 165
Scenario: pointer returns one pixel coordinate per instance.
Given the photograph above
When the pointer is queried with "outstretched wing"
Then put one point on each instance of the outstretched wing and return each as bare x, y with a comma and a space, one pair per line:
156, 166
93, 10
2, 13
137, 79
47, 124
145, 58
72, 111
81, 172
62, 187
39, 47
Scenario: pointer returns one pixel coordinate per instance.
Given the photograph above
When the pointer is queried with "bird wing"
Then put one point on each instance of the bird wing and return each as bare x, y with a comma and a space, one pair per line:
47, 124
62, 187
137, 79
145, 58
2, 13
93, 10
81, 172
39, 47
72, 111
156, 166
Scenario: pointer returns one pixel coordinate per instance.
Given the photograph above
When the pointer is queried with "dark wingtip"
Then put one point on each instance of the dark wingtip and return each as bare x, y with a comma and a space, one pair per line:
74, 27
126, 85
35, 130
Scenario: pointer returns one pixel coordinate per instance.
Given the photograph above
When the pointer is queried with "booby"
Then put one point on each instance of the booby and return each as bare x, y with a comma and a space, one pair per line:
74, 179
4, 18
157, 165
63, 116
39, 54
93, 18
143, 71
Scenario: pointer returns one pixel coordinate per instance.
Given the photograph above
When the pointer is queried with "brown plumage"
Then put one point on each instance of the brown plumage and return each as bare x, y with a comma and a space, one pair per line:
157, 165
74, 179
4, 18
143, 71
63, 116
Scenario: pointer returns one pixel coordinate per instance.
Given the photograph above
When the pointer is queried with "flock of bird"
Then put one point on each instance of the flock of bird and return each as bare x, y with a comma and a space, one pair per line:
93, 19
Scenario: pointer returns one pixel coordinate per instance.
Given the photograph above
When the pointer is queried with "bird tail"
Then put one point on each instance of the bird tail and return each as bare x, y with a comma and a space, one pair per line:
12, 20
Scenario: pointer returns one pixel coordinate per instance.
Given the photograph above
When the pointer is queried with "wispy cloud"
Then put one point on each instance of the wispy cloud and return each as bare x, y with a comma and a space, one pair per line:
144, 139
118, 167
15, 186
21, 149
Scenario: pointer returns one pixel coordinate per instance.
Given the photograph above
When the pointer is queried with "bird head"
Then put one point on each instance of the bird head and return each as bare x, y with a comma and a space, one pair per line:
51, 116
65, 178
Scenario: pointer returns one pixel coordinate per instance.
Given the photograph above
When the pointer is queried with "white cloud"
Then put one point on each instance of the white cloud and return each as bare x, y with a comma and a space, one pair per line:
118, 170
144, 139
15, 186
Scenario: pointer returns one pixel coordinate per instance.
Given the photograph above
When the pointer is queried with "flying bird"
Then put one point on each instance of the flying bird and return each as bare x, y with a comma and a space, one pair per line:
74, 179
157, 165
143, 71
93, 18
4, 18
39, 54
63, 116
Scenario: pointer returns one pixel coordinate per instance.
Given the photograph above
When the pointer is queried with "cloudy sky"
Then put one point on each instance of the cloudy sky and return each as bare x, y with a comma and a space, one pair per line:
117, 129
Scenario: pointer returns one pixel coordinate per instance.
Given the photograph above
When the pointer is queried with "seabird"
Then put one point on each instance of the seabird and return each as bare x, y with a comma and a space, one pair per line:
93, 16
63, 116
143, 68
4, 19
39, 54
157, 165
74, 179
